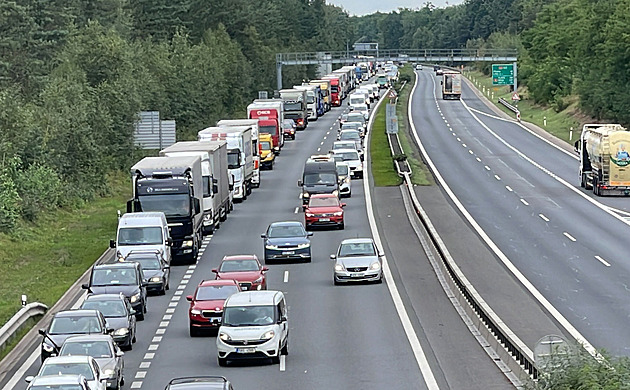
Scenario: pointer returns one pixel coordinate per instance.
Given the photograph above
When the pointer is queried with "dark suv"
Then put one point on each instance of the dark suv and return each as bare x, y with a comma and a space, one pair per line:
125, 278
71, 323
209, 382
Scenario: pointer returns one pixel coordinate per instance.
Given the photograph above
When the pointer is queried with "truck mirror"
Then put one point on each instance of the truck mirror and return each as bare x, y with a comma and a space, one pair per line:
576, 146
300, 183
197, 205
112, 243
215, 189
130, 206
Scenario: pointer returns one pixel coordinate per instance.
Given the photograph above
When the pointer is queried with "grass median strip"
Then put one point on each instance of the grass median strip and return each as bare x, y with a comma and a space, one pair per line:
382, 164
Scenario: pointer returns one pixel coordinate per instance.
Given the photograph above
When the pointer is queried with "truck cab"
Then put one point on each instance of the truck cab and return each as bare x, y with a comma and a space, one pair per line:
267, 152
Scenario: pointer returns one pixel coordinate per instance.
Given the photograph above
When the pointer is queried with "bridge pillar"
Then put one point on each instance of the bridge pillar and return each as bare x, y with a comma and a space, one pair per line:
279, 74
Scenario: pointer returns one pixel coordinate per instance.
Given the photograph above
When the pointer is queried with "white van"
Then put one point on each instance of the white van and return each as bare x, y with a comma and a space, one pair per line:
357, 99
144, 231
254, 325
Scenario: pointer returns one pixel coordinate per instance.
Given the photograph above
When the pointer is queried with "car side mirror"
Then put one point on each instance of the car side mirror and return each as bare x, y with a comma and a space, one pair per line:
265, 269
29, 379
300, 183
189, 298
576, 146
169, 241
120, 353
215, 270
333, 257
381, 254
42, 332
85, 286
132, 312
112, 243
215, 189
197, 205
343, 205
282, 319
166, 266
144, 284
263, 236
110, 330
309, 234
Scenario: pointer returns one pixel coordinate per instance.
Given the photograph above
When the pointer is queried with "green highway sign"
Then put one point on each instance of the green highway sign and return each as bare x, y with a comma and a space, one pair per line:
502, 74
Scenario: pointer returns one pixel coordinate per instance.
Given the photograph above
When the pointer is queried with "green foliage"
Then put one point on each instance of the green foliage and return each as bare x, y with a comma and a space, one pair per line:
40, 189
9, 202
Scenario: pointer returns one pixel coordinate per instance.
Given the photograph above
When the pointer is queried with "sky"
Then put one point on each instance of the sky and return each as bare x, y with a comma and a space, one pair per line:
364, 7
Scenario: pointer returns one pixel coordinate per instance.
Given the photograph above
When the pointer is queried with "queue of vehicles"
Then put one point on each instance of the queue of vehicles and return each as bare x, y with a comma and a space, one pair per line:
178, 197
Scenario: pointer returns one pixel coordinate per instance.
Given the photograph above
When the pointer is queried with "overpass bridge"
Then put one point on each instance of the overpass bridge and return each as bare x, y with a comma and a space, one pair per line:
413, 55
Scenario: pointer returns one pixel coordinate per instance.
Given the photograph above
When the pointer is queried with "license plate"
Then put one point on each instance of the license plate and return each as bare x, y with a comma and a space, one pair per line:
356, 275
288, 252
324, 219
245, 350
243, 288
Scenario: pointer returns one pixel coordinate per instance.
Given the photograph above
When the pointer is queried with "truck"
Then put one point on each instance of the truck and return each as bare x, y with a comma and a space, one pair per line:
255, 134
451, 85
319, 98
344, 82
239, 155
174, 186
269, 113
312, 100
324, 85
267, 154
335, 90
216, 185
295, 106
604, 159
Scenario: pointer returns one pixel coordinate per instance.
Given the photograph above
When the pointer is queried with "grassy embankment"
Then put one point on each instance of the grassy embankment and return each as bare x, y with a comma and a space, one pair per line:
42, 260
558, 123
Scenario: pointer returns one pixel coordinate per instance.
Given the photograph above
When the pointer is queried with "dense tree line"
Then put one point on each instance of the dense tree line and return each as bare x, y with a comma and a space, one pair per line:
74, 74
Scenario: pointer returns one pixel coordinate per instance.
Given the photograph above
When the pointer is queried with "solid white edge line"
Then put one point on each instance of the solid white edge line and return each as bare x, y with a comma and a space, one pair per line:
416, 347
504, 259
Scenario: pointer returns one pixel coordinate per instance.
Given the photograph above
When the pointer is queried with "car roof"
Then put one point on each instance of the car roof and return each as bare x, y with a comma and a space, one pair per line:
77, 312
68, 359
105, 297
57, 380
254, 298
286, 223
199, 382
217, 282
89, 337
120, 264
316, 196
357, 241
239, 257
339, 151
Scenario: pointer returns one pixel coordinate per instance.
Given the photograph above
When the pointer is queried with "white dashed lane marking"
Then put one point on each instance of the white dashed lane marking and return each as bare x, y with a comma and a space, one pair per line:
523, 201
543, 217
570, 237
509, 188
607, 264
286, 276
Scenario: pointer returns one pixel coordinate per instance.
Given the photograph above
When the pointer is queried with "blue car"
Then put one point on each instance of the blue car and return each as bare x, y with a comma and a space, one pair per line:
287, 241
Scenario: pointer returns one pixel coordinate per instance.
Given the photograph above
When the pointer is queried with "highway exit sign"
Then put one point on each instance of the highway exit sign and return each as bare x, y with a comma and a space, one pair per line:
502, 74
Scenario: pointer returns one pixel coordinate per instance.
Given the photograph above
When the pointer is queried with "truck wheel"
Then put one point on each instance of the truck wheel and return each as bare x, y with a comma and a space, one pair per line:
249, 189
223, 217
583, 181
595, 188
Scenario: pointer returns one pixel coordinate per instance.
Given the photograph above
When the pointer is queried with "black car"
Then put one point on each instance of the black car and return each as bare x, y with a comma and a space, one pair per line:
155, 270
287, 241
209, 382
71, 323
125, 278
118, 313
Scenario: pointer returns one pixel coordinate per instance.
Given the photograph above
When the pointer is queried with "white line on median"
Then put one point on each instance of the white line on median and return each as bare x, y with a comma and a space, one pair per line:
607, 264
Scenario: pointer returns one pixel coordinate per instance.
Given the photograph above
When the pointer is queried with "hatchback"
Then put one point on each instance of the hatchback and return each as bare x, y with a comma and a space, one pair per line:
357, 260
118, 313
245, 269
206, 304
106, 353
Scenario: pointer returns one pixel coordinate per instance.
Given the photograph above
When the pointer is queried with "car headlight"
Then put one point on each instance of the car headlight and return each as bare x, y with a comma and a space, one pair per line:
108, 373
339, 267
305, 194
48, 348
196, 312
304, 245
224, 336
155, 279
121, 332
135, 298
375, 266
259, 280
269, 246
310, 214
338, 214
268, 335
187, 243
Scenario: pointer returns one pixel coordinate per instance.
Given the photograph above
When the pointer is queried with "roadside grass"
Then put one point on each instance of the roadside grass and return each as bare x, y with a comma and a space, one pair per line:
382, 164
558, 124
43, 260
420, 174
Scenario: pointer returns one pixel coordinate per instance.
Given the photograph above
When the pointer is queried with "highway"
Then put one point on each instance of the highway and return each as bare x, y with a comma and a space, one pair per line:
524, 194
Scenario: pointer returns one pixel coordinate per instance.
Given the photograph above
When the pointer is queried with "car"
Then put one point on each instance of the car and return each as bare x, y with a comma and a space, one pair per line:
324, 210
58, 382
352, 158
363, 109
121, 277
358, 126
68, 323
245, 269
348, 145
418, 66
289, 128
118, 313
255, 325
104, 350
85, 366
206, 304
375, 93
287, 241
345, 184
206, 382
356, 260
155, 270
351, 135
354, 117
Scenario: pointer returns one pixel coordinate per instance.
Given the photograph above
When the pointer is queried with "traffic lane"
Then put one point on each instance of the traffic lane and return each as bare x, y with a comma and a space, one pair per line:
233, 238
514, 241
448, 340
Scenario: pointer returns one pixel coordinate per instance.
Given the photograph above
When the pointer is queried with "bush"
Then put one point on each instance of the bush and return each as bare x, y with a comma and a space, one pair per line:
9, 203
40, 189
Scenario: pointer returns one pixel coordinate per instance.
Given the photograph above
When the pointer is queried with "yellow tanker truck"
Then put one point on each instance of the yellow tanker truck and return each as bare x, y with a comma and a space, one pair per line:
604, 151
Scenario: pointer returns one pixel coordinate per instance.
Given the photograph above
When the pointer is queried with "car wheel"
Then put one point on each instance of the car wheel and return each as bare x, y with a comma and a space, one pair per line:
168, 284
163, 290
122, 381
133, 340
194, 332
271, 166
275, 359
140, 316
308, 259
222, 361
341, 226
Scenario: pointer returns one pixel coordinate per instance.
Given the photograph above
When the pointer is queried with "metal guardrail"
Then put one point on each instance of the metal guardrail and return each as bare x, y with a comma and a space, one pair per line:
28, 311
512, 108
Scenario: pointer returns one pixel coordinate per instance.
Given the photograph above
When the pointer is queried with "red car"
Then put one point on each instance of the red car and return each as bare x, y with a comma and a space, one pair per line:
206, 305
245, 269
288, 127
324, 210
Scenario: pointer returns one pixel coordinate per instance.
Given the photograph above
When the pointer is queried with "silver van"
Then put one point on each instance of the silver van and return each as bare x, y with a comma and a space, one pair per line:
143, 231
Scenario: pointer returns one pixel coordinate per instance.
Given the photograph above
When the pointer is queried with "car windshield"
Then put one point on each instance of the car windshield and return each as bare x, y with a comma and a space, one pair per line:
239, 265
357, 100
324, 202
173, 205
352, 125
357, 249
57, 387
147, 263
292, 106
356, 118
113, 276
140, 236
96, 349
344, 145
286, 231
311, 179
249, 316
75, 325
349, 156
211, 293
67, 369
350, 135
273, 130
109, 309
342, 170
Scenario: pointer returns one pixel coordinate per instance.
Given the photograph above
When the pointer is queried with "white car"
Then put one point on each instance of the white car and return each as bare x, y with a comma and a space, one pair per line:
363, 109
352, 158
254, 325
47, 382
348, 145
419, 67
73, 365
345, 183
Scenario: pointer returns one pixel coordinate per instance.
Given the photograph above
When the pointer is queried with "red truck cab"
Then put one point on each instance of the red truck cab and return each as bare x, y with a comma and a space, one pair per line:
268, 123
335, 93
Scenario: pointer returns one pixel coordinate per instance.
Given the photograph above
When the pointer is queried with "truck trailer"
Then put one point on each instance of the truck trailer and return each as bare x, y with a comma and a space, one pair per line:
451, 85
295, 106
604, 159
255, 125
